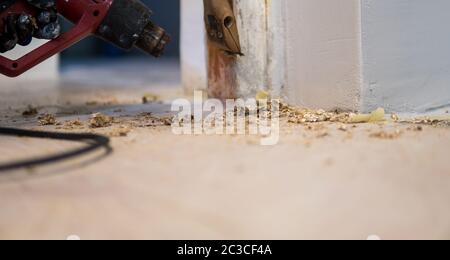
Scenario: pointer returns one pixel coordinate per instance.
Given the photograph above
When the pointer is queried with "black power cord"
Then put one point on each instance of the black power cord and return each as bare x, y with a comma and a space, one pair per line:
94, 142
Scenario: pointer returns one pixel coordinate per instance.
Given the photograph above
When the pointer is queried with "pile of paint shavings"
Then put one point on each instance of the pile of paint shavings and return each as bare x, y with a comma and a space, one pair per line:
47, 119
303, 116
99, 120
299, 115
72, 125
150, 120
438, 121
115, 127
311, 118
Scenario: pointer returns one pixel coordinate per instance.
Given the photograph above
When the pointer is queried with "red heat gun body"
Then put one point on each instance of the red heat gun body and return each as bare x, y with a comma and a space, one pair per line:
125, 23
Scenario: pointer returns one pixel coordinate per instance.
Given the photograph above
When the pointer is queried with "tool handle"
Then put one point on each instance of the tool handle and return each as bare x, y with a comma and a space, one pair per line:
86, 16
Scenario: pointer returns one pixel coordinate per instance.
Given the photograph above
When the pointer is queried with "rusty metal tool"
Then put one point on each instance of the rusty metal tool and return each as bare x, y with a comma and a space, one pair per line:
221, 26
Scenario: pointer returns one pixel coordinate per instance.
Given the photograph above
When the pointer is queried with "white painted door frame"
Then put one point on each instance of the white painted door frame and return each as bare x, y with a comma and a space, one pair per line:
277, 45
333, 54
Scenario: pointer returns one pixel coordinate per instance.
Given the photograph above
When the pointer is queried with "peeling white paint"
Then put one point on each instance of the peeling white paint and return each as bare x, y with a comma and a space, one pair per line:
261, 33
276, 43
252, 69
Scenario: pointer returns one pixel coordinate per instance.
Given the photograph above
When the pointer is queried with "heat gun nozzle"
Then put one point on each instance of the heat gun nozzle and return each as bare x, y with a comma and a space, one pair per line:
153, 40
128, 25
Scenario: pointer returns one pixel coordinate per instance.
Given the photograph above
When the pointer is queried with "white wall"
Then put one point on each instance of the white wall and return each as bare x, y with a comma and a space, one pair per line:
364, 54
406, 53
193, 46
323, 53
47, 70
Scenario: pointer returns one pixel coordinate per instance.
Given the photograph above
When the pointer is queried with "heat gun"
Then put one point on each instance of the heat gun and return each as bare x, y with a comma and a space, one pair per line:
124, 23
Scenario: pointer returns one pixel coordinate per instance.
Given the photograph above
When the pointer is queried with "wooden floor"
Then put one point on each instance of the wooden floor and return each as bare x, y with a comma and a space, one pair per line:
159, 186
